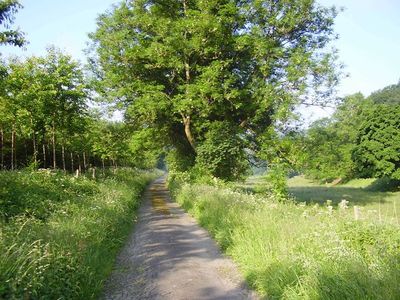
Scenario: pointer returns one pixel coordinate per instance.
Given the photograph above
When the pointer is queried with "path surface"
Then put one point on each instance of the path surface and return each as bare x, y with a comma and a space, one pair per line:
170, 257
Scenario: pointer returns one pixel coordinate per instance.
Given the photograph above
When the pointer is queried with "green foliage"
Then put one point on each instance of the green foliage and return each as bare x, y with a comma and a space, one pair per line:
45, 120
8, 8
387, 95
377, 151
329, 142
222, 153
293, 251
63, 233
180, 67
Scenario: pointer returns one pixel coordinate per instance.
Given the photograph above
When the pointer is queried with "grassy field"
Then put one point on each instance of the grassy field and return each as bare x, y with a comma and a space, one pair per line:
59, 235
293, 250
375, 198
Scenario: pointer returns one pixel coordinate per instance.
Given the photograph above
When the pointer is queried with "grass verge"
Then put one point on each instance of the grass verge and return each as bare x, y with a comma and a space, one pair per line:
59, 235
298, 251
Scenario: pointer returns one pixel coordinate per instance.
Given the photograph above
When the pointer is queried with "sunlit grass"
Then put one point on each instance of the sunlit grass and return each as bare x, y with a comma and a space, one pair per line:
297, 251
64, 250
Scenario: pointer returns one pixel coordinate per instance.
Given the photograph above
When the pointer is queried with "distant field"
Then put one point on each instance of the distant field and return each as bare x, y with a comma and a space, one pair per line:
369, 194
384, 206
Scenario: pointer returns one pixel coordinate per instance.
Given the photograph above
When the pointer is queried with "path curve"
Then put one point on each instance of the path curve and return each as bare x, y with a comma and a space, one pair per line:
168, 256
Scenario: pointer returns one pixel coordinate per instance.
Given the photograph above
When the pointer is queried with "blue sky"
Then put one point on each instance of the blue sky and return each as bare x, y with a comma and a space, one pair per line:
369, 30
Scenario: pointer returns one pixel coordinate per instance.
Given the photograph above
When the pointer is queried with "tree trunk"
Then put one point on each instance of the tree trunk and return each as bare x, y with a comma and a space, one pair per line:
63, 156
72, 163
188, 132
1, 148
84, 161
79, 163
44, 156
12, 147
35, 150
186, 118
54, 146
102, 161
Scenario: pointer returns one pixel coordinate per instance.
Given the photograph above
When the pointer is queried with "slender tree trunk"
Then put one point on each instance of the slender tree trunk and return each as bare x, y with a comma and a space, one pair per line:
79, 163
1, 148
63, 156
54, 146
12, 147
44, 155
72, 162
104, 167
84, 161
35, 150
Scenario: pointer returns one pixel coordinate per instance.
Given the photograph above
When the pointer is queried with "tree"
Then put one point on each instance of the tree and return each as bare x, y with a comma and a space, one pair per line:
180, 67
8, 8
377, 151
388, 95
329, 142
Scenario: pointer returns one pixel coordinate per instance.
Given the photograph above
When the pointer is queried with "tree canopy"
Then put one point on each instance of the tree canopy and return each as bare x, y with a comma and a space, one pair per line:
377, 151
180, 67
387, 95
8, 8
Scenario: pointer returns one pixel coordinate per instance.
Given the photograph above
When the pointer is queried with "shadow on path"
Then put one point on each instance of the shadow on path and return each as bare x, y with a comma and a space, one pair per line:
170, 257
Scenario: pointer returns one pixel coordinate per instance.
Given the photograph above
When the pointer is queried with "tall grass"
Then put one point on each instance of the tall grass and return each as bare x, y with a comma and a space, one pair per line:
298, 251
59, 235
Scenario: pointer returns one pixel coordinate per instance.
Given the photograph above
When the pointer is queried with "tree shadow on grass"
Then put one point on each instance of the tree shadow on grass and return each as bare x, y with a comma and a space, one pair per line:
320, 194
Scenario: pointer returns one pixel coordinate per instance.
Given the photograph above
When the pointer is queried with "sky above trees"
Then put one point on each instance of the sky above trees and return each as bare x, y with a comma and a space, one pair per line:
369, 42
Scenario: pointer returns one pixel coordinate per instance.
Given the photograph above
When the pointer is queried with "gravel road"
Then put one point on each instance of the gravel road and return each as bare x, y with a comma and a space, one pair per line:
168, 256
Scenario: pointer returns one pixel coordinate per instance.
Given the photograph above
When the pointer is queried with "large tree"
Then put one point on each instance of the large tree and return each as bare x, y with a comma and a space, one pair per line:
180, 67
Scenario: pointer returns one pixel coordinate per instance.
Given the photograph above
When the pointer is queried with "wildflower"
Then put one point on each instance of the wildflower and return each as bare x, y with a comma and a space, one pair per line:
344, 204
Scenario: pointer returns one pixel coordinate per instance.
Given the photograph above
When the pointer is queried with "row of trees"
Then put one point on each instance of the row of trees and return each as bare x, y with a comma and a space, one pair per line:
45, 120
361, 139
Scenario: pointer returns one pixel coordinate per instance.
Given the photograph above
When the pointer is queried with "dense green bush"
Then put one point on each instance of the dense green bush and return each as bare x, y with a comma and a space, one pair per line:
297, 251
59, 239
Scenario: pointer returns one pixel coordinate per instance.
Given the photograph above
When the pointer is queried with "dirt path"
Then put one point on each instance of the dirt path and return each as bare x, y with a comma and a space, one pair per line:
170, 257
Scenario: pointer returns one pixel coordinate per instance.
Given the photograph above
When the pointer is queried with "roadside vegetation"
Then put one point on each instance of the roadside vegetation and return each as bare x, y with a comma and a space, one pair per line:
59, 235
289, 250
